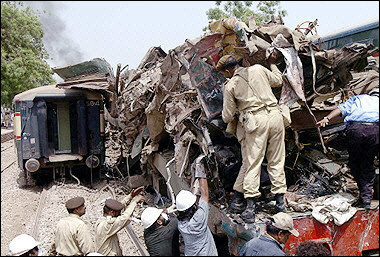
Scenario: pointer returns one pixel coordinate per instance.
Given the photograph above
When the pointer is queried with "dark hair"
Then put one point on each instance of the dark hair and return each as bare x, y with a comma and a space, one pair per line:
187, 214
30, 251
230, 63
311, 248
106, 209
271, 229
70, 210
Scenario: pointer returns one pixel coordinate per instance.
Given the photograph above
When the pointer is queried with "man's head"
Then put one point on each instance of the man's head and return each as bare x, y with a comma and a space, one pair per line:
154, 217
186, 203
76, 205
112, 208
281, 227
374, 92
227, 65
23, 245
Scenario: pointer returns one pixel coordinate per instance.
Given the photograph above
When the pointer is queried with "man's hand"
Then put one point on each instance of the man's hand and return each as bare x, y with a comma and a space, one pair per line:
138, 198
200, 172
273, 57
136, 191
323, 122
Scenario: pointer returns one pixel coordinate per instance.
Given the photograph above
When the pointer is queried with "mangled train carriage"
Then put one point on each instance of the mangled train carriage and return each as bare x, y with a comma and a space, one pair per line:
164, 119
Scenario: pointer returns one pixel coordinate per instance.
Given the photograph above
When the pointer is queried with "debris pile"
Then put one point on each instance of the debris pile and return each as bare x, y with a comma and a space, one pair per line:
166, 113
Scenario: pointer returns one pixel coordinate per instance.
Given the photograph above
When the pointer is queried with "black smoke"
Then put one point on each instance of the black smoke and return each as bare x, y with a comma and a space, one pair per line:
61, 48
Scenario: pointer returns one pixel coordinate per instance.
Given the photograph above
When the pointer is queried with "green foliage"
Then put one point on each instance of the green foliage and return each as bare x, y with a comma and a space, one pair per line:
242, 11
23, 54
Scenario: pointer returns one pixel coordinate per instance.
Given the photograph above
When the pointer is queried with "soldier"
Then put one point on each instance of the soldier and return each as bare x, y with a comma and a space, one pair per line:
248, 92
72, 236
116, 216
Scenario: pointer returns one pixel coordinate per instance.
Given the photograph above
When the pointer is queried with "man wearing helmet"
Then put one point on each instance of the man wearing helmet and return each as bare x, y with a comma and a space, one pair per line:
23, 245
193, 217
361, 114
161, 233
116, 216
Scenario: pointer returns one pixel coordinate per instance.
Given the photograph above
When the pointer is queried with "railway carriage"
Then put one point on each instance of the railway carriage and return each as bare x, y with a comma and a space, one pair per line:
55, 128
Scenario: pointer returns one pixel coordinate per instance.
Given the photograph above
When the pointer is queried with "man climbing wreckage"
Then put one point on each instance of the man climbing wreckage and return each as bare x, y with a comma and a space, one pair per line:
166, 114
249, 93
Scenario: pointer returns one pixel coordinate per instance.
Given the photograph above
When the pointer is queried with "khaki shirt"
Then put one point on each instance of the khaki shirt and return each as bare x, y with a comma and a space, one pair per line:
238, 95
72, 236
106, 239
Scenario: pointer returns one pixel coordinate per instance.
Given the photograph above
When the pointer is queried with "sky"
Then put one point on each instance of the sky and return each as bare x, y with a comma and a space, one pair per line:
123, 31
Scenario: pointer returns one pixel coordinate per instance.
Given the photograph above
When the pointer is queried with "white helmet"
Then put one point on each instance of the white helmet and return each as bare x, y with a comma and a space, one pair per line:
150, 215
21, 244
184, 200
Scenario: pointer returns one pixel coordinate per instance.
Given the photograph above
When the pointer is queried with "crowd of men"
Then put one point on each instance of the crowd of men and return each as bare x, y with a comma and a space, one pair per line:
249, 104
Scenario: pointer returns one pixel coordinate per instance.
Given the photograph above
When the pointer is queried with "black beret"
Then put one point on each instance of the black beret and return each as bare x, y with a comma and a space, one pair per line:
75, 202
114, 204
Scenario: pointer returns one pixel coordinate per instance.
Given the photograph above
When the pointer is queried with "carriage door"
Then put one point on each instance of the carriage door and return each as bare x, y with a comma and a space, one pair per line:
64, 135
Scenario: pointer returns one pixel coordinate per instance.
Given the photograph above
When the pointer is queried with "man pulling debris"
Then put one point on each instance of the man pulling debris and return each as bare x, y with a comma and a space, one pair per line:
361, 114
249, 93
161, 233
193, 219
72, 236
114, 220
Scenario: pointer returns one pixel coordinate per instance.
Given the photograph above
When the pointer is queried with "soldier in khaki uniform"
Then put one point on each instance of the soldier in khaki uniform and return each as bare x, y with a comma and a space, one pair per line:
72, 236
260, 130
114, 220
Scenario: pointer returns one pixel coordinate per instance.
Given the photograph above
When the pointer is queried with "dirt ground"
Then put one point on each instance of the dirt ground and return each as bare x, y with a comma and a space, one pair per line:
19, 207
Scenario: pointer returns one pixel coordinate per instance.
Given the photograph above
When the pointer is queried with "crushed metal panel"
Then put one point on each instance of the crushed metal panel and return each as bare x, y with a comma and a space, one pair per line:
177, 184
97, 66
322, 161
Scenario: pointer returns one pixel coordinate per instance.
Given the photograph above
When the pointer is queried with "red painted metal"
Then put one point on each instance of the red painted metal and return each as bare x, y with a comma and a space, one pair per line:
360, 233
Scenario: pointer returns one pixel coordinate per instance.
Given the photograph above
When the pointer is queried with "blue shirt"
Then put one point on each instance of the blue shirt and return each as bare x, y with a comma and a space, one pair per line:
262, 246
196, 234
363, 108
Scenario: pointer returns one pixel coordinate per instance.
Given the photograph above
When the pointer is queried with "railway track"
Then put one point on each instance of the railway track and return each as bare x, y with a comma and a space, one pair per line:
9, 165
47, 195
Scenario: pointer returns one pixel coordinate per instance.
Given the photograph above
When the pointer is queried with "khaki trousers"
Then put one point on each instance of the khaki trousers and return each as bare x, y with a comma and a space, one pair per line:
266, 140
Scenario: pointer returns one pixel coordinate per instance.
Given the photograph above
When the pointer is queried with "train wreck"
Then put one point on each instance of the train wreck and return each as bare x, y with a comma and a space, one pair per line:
164, 121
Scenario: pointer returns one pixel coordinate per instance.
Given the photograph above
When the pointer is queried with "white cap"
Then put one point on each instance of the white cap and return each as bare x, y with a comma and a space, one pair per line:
284, 221
21, 244
184, 200
150, 215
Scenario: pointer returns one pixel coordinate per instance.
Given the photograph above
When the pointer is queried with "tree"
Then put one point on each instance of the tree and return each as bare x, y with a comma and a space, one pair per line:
23, 55
242, 11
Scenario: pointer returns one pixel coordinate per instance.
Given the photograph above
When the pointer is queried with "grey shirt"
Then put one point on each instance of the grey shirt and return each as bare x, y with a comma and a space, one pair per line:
262, 246
196, 234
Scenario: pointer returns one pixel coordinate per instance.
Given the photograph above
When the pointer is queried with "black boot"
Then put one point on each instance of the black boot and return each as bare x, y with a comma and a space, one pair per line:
249, 213
238, 203
280, 203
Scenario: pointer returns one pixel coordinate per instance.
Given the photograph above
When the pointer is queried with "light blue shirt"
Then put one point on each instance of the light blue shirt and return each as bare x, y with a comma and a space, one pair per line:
363, 108
196, 234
